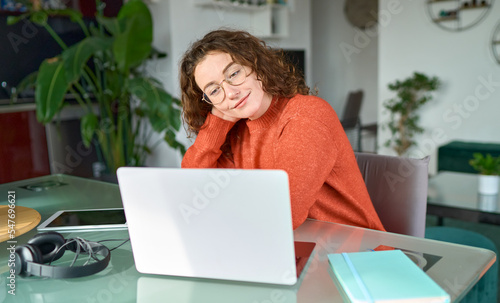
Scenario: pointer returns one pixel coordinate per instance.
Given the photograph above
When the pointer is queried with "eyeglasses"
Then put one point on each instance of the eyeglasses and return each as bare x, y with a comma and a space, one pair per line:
215, 94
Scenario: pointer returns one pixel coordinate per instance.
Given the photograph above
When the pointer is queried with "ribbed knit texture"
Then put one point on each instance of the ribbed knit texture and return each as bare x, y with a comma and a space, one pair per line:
304, 137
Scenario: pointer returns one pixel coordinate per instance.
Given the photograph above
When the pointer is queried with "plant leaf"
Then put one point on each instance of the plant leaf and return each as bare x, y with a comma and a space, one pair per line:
88, 125
156, 54
112, 25
74, 15
11, 20
157, 102
485, 165
172, 142
51, 87
77, 55
114, 84
133, 45
39, 17
26, 83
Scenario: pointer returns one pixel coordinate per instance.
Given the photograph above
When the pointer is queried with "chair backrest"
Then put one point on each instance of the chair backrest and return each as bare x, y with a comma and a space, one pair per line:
398, 189
350, 116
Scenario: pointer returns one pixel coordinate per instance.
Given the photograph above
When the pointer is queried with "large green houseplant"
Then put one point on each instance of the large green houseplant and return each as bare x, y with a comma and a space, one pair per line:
412, 93
106, 70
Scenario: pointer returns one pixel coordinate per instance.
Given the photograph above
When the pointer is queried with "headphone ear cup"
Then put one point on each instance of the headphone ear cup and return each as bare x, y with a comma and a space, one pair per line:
49, 245
24, 254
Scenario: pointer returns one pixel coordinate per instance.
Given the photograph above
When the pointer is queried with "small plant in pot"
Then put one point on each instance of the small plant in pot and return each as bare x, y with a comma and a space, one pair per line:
489, 170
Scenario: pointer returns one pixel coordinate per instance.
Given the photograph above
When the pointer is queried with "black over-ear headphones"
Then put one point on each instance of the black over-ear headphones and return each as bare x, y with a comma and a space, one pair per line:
50, 246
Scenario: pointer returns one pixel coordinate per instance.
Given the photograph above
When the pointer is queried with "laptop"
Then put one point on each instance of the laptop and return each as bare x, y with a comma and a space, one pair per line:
227, 224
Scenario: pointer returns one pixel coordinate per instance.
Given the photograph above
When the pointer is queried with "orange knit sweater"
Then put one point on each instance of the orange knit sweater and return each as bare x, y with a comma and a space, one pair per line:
304, 137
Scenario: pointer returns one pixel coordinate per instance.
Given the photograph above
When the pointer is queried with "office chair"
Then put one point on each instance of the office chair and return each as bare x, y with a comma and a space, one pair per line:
398, 189
350, 117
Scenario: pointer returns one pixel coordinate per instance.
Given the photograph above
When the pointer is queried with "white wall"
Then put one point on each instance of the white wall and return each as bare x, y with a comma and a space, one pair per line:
464, 108
179, 23
345, 58
164, 70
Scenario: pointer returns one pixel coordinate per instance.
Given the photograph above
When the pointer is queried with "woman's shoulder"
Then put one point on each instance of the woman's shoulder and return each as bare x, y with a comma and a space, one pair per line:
309, 106
308, 98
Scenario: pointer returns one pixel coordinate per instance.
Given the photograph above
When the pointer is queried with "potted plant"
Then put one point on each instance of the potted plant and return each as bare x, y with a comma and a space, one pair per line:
105, 74
412, 93
489, 170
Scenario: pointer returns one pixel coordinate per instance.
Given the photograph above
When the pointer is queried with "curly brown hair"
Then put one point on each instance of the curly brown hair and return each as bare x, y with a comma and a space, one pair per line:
278, 75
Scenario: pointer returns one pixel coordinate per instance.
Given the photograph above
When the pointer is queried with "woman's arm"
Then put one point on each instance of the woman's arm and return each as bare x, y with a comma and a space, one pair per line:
206, 151
305, 150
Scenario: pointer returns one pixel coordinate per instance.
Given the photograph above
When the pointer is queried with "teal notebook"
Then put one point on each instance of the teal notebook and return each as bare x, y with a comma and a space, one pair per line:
383, 276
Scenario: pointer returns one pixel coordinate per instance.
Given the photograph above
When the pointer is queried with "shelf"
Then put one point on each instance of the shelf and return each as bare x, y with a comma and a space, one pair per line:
457, 12
435, 1
235, 5
444, 19
439, 9
10, 102
4, 12
474, 7
266, 20
16, 108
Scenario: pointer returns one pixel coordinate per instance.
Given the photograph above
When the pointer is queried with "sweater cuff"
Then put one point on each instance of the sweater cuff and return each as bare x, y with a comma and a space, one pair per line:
213, 132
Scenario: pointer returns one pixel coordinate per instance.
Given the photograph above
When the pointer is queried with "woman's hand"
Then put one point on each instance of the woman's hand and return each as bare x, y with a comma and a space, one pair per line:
217, 112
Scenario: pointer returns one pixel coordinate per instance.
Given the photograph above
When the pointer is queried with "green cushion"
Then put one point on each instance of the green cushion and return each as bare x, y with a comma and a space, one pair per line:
455, 155
486, 289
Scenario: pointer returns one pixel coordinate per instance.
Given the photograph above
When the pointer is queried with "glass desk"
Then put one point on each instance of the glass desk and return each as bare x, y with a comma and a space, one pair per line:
455, 267
455, 195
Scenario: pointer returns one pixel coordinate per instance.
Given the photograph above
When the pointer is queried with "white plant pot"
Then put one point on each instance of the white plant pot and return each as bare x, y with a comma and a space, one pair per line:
488, 185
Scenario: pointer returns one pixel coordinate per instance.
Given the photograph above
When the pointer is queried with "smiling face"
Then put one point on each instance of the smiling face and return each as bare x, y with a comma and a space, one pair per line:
247, 100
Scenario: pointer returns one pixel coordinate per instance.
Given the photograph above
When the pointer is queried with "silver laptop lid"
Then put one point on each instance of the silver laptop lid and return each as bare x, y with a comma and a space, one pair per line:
210, 223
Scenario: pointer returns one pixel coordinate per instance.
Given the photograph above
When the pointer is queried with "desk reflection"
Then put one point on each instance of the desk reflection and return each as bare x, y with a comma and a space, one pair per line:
487, 203
165, 289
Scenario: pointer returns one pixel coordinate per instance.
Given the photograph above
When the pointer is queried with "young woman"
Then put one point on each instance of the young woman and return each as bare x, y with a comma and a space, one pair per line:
249, 109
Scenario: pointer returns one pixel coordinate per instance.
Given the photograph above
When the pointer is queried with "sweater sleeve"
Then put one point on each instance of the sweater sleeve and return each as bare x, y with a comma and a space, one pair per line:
305, 152
206, 150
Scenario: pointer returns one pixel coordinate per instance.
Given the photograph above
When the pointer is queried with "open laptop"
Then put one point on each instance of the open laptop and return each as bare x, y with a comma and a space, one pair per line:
224, 224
